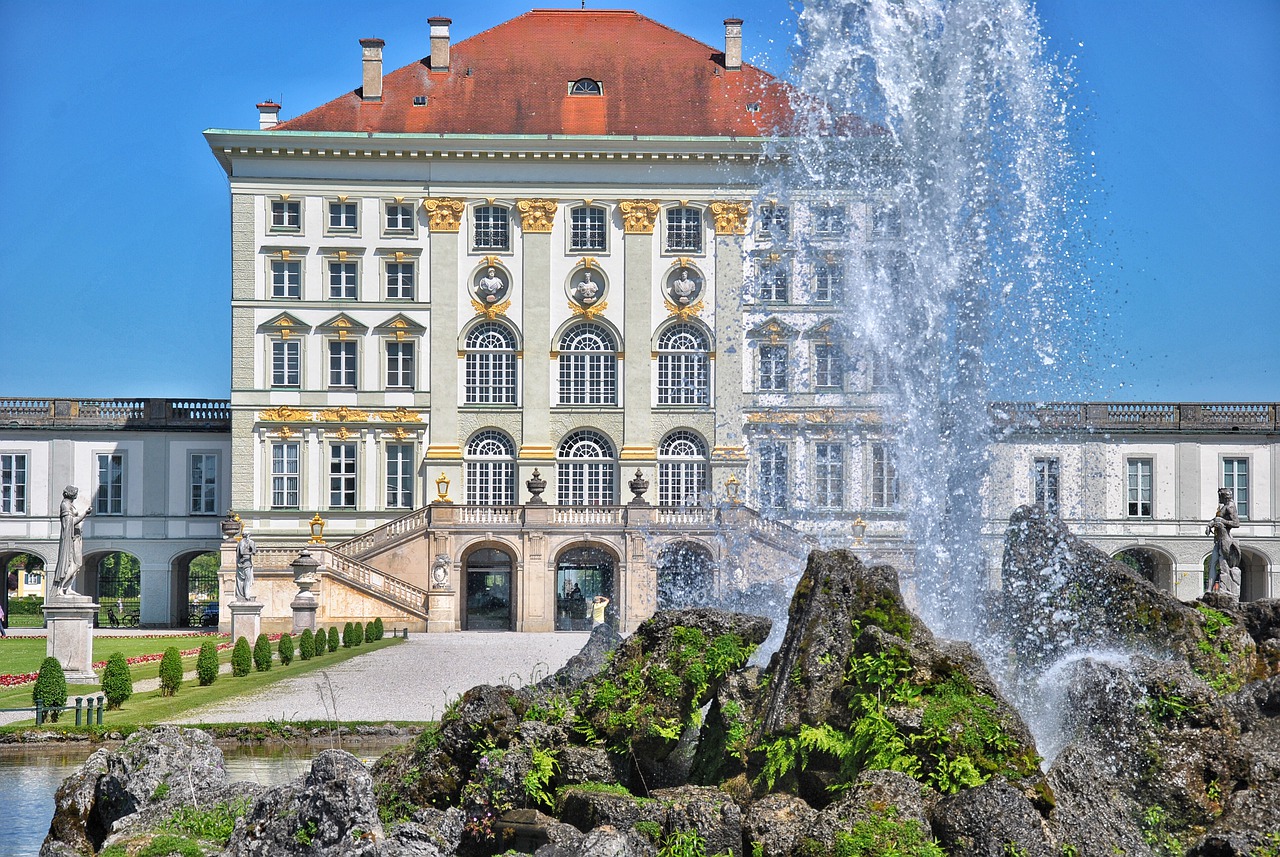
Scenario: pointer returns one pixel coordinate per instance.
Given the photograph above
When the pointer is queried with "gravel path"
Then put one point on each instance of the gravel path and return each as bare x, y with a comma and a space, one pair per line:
414, 680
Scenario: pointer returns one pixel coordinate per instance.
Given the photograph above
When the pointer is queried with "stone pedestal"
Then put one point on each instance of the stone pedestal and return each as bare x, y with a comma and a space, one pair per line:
440, 604
246, 620
70, 626
304, 612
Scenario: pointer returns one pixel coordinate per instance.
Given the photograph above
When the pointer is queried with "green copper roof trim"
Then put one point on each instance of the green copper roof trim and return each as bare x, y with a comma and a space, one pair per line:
362, 135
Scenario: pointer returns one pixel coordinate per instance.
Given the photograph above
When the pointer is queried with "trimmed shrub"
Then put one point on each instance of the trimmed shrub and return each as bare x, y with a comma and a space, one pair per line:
357, 633
241, 659
378, 624
306, 645
370, 632
170, 671
348, 636
207, 663
333, 638
51, 687
285, 649
321, 642
117, 684
262, 654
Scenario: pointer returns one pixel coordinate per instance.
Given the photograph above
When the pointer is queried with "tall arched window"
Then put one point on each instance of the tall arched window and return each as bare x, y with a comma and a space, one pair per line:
683, 376
585, 470
491, 365
682, 469
588, 366
491, 469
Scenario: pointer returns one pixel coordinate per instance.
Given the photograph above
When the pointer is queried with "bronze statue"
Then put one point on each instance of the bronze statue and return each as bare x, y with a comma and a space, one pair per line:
1224, 566
70, 545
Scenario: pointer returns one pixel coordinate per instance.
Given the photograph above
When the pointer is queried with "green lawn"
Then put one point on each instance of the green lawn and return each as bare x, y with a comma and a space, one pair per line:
24, 654
148, 707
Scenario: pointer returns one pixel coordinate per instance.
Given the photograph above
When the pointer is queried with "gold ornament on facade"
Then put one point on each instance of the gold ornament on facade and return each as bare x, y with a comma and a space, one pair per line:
492, 261
343, 433
773, 329
491, 311
399, 326
400, 433
639, 216
685, 312
589, 312
444, 213
536, 215
284, 326
343, 326
731, 217
285, 433
400, 415
284, 413
342, 414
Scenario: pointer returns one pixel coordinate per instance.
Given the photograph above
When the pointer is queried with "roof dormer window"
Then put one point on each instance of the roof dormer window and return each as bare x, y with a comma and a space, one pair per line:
586, 86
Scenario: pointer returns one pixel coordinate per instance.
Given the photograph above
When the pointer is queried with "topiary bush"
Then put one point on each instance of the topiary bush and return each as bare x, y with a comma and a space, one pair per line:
207, 663
321, 642
170, 672
378, 624
348, 636
262, 654
333, 638
285, 649
51, 688
241, 659
306, 645
117, 684
357, 633
370, 632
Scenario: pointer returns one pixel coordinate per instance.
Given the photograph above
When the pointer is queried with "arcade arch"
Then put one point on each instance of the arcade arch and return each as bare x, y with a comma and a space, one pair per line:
582, 573
686, 576
1152, 563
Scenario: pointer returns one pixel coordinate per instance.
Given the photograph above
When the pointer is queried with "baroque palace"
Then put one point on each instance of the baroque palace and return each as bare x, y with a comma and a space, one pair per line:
514, 326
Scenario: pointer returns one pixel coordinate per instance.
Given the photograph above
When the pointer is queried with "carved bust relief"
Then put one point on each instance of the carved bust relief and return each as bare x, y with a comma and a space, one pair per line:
491, 285
684, 285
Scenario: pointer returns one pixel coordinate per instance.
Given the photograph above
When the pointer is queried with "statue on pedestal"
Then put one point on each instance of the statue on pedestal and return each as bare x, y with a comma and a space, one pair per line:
1224, 565
244, 568
70, 545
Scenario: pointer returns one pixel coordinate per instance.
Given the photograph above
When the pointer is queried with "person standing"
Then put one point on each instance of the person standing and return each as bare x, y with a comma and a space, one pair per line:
598, 604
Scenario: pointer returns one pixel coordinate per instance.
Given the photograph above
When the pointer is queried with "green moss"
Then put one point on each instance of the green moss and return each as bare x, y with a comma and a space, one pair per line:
167, 845
649, 829
885, 835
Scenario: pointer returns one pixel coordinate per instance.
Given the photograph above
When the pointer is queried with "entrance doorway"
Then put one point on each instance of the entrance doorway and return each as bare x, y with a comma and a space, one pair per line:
686, 577
118, 588
582, 574
488, 575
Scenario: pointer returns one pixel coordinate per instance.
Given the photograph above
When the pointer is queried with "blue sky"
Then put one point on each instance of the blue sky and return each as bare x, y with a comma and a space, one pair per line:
116, 274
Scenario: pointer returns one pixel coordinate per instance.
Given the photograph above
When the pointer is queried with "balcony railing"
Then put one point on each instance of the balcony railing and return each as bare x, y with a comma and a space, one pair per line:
167, 414
1137, 416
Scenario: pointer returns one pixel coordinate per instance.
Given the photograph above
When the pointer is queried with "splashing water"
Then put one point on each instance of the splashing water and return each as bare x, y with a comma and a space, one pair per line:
961, 286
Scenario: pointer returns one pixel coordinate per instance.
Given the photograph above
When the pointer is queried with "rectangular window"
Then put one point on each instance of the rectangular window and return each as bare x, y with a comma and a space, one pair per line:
1235, 475
773, 476
775, 220
400, 476
204, 484
284, 475
343, 282
1044, 475
399, 217
684, 230
400, 365
773, 367
586, 228
884, 477
828, 282
110, 498
342, 217
829, 221
286, 363
342, 364
286, 215
13, 484
492, 228
886, 221
286, 279
33, 578
828, 366
342, 476
828, 476
773, 282
400, 281
1139, 487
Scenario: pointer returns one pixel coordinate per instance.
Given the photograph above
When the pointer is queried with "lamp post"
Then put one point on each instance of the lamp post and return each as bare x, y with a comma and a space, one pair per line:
442, 489
317, 530
732, 489
859, 531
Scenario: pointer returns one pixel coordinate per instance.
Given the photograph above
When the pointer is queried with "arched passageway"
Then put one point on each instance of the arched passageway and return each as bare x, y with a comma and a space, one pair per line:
686, 576
114, 580
1253, 574
489, 575
582, 573
195, 589
1154, 565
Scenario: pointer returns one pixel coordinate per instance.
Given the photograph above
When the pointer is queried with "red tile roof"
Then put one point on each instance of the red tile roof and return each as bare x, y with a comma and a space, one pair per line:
514, 79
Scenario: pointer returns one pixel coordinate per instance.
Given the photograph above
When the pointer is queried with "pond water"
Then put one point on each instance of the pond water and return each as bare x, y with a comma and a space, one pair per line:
30, 776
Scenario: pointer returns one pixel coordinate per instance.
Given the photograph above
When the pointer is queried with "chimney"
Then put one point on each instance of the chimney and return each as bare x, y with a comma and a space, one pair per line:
371, 51
439, 43
733, 44
268, 115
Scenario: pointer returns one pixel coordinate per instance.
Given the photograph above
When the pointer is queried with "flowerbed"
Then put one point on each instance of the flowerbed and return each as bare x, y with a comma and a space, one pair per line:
13, 680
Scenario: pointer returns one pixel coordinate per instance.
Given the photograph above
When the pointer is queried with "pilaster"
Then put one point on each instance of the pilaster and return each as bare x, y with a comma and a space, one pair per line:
638, 442
728, 454
443, 452
536, 447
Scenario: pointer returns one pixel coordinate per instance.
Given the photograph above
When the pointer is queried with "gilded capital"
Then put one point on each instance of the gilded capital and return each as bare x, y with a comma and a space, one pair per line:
731, 217
444, 213
536, 215
638, 216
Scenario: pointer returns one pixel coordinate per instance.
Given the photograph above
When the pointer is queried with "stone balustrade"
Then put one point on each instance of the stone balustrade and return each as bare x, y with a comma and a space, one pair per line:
1136, 416
169, 414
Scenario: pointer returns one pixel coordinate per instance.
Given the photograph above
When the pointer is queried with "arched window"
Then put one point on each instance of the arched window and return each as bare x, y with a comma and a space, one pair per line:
491, 469
491, 365
588, 366
585, 470
585, 86
683, 376
682, 469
